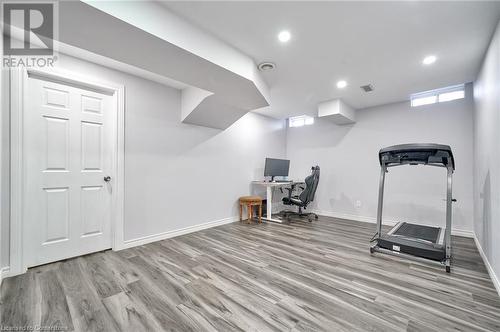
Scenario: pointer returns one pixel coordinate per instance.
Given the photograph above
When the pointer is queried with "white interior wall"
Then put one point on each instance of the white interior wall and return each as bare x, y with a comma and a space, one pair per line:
350, 170
487, 156
179, 175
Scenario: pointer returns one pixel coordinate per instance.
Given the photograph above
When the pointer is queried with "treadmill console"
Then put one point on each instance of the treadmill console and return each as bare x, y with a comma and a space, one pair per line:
415, 154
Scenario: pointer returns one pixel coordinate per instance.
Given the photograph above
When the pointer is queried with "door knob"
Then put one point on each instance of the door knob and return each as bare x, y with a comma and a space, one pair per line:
107, 178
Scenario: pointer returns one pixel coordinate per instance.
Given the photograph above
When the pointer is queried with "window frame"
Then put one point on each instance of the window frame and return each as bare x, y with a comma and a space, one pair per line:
437, 93
306, 120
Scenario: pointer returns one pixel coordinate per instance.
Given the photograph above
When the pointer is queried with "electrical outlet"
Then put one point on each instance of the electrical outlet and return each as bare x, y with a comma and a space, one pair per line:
358, 203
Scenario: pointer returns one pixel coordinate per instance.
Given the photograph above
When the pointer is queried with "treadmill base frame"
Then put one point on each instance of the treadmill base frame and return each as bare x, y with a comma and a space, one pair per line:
446, 262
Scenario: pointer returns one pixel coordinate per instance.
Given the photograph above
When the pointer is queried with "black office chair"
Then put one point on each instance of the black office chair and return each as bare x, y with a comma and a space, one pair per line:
304, 198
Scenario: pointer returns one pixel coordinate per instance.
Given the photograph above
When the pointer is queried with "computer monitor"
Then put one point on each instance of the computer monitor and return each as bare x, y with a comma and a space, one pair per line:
276, 167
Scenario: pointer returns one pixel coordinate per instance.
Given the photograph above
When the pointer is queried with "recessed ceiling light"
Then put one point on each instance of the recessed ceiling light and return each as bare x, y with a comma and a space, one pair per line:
428, 60
341, 84
284, 36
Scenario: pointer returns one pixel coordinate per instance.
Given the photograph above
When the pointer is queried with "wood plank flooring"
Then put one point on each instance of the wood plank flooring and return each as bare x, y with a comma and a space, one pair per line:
301, 277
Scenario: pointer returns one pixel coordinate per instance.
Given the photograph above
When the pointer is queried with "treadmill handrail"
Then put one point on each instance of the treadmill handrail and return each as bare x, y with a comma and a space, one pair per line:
413, 163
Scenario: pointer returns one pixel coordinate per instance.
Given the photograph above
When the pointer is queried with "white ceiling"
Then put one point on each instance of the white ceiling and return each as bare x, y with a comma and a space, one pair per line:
382, 43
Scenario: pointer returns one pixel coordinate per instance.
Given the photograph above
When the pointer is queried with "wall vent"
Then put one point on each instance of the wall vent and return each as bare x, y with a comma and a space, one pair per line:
367, 88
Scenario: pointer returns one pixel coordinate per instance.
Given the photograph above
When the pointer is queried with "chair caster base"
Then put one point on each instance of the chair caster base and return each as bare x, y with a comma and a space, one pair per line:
288, 216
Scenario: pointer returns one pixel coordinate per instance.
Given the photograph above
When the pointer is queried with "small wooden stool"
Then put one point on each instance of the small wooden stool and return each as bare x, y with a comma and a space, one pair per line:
251, 201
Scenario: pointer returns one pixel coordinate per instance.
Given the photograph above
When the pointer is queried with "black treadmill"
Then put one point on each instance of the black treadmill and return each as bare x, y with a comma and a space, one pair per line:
426, 242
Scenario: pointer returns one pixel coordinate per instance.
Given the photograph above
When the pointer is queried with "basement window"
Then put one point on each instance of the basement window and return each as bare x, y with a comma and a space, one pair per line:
299, 121
438, 96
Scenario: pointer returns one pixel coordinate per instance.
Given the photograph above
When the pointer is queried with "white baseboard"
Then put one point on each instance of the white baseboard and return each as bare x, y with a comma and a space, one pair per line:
491, 272
462, 232
373, 220
166, 235
4, 273
354, 217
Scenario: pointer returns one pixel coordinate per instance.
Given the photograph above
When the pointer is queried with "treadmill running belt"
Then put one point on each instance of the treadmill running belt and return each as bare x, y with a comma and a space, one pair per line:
426, 233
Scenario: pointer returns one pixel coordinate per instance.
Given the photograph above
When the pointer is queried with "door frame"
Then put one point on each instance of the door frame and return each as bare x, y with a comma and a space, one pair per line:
18, 89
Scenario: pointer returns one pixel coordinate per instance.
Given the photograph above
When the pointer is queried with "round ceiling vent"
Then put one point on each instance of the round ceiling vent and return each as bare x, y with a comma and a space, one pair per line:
264, 66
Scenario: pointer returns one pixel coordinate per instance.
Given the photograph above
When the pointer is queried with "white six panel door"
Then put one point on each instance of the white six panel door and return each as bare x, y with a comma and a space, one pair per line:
68, 142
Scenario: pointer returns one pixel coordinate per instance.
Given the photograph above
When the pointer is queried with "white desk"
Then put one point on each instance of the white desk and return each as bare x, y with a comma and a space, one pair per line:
270, 186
